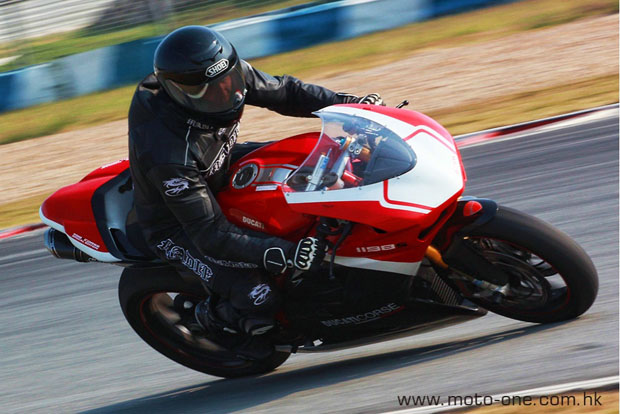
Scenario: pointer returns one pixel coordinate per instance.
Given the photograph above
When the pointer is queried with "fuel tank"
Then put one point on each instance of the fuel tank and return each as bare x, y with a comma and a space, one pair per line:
254, 198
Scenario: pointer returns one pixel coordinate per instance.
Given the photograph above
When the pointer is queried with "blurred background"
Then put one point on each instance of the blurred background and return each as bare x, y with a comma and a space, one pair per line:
36, 31
68, 68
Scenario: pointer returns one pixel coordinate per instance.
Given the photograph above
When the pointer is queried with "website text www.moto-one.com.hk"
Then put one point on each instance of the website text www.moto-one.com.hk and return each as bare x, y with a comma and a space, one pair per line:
588, 399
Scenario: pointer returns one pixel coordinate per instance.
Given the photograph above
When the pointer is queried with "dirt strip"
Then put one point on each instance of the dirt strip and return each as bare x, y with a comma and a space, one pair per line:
431, 79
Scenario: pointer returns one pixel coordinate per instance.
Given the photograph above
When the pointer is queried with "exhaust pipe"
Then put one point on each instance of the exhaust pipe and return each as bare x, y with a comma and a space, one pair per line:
59, 246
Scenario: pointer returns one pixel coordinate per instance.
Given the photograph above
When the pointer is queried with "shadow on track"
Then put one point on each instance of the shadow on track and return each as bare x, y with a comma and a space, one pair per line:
223, 396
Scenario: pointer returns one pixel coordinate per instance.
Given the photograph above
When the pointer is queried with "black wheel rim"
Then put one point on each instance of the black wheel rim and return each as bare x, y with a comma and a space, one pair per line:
535, 286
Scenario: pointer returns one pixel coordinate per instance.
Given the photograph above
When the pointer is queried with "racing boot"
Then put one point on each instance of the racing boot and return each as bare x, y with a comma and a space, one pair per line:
244, 336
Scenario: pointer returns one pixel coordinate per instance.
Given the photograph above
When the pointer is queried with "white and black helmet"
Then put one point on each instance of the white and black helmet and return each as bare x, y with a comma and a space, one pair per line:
200, 70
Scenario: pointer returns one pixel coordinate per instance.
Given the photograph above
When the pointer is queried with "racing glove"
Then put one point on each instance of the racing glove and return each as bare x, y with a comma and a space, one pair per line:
372, 99
308, 255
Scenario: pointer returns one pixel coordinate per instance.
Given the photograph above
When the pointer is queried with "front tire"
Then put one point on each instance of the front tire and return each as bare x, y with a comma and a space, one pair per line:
147, 297
551, 277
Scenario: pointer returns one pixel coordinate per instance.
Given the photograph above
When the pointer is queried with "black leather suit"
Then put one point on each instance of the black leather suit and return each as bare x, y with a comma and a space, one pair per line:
176, 162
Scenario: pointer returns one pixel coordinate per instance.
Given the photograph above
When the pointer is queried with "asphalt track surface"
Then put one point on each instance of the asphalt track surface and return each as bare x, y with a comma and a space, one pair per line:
65, 346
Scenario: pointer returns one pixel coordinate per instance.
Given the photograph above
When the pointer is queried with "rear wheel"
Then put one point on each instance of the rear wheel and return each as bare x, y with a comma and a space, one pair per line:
551, 278
157, 303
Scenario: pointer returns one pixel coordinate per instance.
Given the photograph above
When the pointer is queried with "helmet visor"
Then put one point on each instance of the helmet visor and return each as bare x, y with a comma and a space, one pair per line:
212, 96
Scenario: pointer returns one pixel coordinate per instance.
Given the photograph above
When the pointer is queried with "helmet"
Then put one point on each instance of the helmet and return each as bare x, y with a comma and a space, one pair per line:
200, 70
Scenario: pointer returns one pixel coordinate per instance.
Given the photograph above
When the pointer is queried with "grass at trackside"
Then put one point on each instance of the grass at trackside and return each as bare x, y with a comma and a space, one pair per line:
327, 59
66, 115
572, 403
503, 111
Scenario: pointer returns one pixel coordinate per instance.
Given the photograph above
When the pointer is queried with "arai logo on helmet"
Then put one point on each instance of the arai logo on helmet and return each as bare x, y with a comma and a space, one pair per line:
217, 68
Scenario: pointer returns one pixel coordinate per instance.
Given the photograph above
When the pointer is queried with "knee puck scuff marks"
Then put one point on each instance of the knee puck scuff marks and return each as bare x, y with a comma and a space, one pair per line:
178, 253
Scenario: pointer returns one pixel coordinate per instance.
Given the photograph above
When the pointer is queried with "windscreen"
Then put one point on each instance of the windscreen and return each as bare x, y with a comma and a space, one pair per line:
352, 151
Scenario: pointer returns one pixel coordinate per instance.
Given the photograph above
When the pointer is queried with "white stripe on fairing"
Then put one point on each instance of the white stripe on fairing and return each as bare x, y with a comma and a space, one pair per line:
372, 192
549, 390
436, 177
404, 268
448, 142
100, 256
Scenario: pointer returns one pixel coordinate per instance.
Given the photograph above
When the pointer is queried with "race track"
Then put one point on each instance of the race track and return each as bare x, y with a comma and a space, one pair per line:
65, 346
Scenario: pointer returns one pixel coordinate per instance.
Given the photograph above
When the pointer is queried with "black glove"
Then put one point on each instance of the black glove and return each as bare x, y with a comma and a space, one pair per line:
307, 256
372, 99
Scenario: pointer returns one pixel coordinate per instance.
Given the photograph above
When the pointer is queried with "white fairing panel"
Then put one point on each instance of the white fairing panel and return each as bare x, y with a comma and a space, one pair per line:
435, 177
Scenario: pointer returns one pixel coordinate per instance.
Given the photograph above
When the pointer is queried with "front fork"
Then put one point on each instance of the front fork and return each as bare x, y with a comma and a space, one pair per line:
452, 251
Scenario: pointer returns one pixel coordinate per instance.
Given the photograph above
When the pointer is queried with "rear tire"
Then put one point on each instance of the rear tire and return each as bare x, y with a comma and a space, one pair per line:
146, 301
536, 256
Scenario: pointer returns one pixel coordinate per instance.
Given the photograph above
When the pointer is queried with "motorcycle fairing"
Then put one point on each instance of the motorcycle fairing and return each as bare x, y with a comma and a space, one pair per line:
395, 225
436, 178
70, 211
461, 221
398, 217
254, 199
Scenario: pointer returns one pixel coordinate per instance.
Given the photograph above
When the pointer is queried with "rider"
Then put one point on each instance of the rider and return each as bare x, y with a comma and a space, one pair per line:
183, 126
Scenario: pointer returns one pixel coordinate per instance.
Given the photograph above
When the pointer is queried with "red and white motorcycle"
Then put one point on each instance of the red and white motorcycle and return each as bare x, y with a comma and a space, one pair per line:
407, 252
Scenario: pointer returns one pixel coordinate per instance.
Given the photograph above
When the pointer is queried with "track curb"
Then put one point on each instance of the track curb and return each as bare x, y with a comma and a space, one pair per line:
5, 234
488, 134
461, 141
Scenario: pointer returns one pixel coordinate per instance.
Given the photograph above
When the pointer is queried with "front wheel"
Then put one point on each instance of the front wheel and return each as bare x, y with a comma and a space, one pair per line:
551, 278
153, 302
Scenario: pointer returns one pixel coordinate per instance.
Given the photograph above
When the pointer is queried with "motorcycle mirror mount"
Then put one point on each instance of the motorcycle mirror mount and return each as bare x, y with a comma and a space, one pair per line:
403, 103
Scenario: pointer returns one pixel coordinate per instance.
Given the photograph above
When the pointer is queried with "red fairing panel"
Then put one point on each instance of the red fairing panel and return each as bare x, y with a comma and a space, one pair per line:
70, 209
407, 244
256, 201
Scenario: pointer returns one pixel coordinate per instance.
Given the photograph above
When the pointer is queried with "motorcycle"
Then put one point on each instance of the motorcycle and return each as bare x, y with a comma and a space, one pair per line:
407, 252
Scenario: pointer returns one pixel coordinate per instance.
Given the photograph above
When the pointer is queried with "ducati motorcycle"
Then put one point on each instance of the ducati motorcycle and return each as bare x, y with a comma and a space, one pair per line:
407, 252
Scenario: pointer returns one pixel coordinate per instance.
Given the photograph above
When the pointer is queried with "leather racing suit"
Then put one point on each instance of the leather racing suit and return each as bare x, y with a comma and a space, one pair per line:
177, 163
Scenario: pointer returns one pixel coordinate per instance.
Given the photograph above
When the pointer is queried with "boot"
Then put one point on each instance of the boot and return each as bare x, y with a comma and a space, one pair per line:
248, 341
